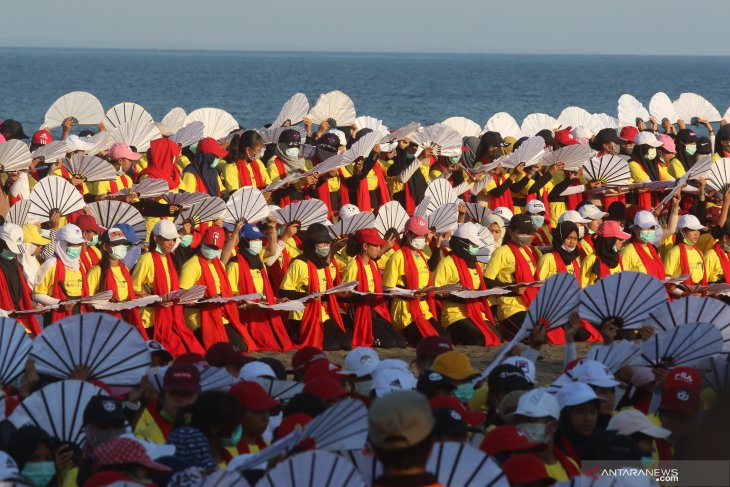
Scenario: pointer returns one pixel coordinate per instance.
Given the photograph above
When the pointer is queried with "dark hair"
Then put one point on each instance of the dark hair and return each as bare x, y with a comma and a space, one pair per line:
234, 149
406, 458
215, 408
250, 138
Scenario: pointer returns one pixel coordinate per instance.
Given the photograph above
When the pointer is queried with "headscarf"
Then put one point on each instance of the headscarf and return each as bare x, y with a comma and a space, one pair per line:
316, 233
561, 232
499, 221
24, 441
291, 165
603, 247
61, 246
254, 261
685, 136
460, 247
160, 158
651, 167
201, 167
722, 134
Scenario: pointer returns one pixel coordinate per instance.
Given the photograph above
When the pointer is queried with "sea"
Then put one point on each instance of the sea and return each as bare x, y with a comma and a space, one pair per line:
397, 88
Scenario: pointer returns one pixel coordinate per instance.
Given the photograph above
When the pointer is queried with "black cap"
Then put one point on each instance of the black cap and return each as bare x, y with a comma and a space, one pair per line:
449, 422
318, 233
329, 142
522, 223
429, 382
508, 378
290, 137
103, 409
13, 128
494, 139
604, 136
548, 135
687, 136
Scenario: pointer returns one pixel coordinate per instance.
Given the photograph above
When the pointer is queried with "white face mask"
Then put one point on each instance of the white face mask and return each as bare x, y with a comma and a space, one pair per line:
292, 153
119, 252
418, 243
210, 253
568, 249
322, 251
364, 387
581, 232
534, 431
254, 247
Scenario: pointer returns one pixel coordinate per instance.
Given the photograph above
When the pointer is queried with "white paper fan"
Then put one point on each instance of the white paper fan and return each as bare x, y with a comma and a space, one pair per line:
219, 478
349, 226
294, 110
685, 345
536, 122
281, 390
15, 346
114, 351
189, 134
51, 152
505, 124
630, 109
320, 468
464, 465
661, 107
574, 117
391, 215
690, 105
18, 213
90, 168
464, 126
305, 212
444, 218
616, 355
726, 116
211, 208
247, 205
372, 123
554, 303
364, 146
109, 213
477, 212
102, 142
82, 106
442, 139
184, 200
573, 156
700, 168
174, 119
610, 170
529, 152
215, 379
137, 134
342, 426
440, 193
718, 177
218, 123
333, 105
366, 464
627, 297
54, 193
600, 121
126, 112
14, 156
57, 409
271, 135
148, 188
402, 133
718, 375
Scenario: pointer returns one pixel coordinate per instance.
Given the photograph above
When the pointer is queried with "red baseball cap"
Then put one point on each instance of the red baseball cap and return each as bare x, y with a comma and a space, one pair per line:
209, 145
250, 395
182, 378
565, 137
305, 356
214, 237
683, 377
471, 418
433, 346
611, 228
526, 469
224, 353
322, 368
507, 439
121, 150
629, 133
125, 451
87, 223
684, 399
369, 236
325, 388
417, 225
290, 423
41, 137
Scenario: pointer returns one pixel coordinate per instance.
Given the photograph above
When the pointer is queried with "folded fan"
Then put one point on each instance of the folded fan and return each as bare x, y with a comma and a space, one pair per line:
718, 177
14, 156
535, 122
304, 212
348, 226
600, 121
109, 213
293, 111
402, 133
573, 156
82, 106
189, 134
477, 212
218, 123
616, 355
334, 106
661, 108
528, 153
444, 218
18, 213
15, 344
464, 126
136, 133
126, 112
54, 193
51, 152
320, 468
441, 139
102, 142
149, 188
440, 193
609, 170
690, 105
630, 110
174, 120
372, 123
575, 117
90, 168
686, 345
209, 209
504, 124
246, 205
281, 390
184, 200
215, 379
391, 216
464, 465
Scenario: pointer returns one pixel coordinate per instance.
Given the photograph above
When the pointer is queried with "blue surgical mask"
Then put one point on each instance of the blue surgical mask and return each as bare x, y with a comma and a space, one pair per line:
454, 160
39, 473
234, 438
464, 392
186, 240
691, 149
210, 253
647, 236
473, 249
7, 255
94, 241
410, 156
254, 247
73, 252
292, 152
215, 163
537, 220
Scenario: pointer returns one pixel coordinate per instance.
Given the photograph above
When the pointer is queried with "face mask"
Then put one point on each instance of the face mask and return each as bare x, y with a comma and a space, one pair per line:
537, 220
94, 241
410, 156
364, 387
647, 236
292, 152
215, 162
7, 255
120, 171
726, 247
473, 249
616, 149
687, 242
591, 232
418, 243
464, 392
568, 249
210, 253
118, 252
186, 240
39, 473
73, 252
534, 431
614, 249
454, 160
523, 240
651, 154
234, 438
581, 232
647, 461
322, 251
46, 234
259, 154
254, 247
691, 149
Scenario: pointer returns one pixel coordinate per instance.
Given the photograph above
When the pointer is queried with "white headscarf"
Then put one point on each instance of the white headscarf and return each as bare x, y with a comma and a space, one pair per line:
62, 245
499, 221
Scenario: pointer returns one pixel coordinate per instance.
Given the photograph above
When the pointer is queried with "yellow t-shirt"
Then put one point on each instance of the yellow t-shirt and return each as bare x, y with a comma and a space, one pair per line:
547, 267
396, 186
502, 268
639, 175
190, 274
189, 183
694, 259
394, 276
231, 176
557, 472
350, 274
104, 187
93, 279
147, 429
232, 271
631, 260
714, 267
586, 270
447, 273
143, 281
676, 169
297, 279
73, 282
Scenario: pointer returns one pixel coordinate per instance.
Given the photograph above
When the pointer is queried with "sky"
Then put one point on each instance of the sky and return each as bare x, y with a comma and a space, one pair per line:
667, 27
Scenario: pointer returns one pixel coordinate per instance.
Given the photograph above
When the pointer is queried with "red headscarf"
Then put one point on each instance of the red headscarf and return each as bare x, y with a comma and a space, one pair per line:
161, 161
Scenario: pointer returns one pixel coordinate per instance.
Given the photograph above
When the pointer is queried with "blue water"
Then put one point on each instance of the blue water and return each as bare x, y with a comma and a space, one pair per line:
398, 88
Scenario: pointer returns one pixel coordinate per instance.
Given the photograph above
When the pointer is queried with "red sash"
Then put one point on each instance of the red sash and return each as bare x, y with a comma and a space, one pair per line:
277, 270
425, 328
563, 268
130, 316
265, 326
165, 426
170, 328
541, 238
724, 261
244, 178
114, 187
26, 303
664, 449
58, 293
211, 316
605, 271
523, 273
475, 307
89, 258
363, 333
284, 200
311, 329
651, 261
363, 193
565, 462
684, 264
323, 193
200, 186
505, 199
573, 200
588, 239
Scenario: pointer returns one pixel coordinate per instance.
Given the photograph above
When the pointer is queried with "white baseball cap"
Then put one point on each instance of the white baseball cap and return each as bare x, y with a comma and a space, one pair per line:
391, 363
9, 469
575, 393
527, 366
691, 222
165, 229
647, 138
70, 233
644, 219
388, 380
572, 216
538, 403
535, 206
504, 213
348, 211
12, 235
361, 361
592, 212
469, 231
594, 373
632, 421
256, 369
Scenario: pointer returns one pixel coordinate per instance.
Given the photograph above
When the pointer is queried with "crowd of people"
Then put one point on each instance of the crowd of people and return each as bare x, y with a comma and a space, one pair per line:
424, 237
